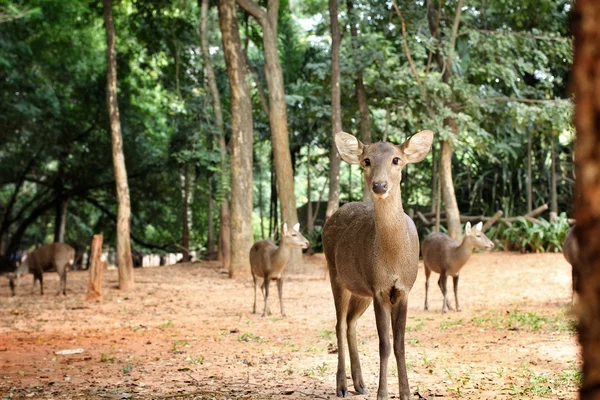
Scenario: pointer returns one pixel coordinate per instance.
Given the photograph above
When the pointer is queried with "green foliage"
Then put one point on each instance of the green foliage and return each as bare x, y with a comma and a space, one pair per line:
527, 236
316, 239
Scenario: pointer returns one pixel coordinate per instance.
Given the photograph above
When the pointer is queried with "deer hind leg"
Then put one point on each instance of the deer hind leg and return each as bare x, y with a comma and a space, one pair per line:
256, 284
442, 283
266, 310
455, 285
356, 308
280, 292
341, 299
62, 273
399, 311
427, 275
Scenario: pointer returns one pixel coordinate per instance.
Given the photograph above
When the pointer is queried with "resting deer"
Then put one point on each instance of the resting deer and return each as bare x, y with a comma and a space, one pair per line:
372, 252
571, 253
446, 256
267, 261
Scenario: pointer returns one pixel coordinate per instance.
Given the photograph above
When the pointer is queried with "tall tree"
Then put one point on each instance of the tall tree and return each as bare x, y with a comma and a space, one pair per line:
124, 260
241, 140
277, 112
333, 202
359, 87
225, 231
586, 79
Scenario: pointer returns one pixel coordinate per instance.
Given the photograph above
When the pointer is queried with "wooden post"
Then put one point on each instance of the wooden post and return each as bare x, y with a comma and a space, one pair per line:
96, 269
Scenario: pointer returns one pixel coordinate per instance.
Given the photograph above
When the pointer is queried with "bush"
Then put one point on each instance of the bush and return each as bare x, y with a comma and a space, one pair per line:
526, 236
316, 241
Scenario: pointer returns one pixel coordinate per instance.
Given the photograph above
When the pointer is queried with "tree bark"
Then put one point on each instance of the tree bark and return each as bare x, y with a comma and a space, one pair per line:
277, 114
225, 230
586, 84
333, 202
210, 242
60, 220
529, 175
241, 141
553, 190
447, 189
124, 260
96, 269
186, 220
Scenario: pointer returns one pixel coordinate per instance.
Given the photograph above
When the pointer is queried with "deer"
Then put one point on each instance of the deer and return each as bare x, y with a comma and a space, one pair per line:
446, 256
372, 254
267, 262
51, 256
571, 254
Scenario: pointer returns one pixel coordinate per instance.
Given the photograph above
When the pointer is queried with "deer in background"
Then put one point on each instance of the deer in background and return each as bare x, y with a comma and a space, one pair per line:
267, 262
571, 254
372, 252
446, 256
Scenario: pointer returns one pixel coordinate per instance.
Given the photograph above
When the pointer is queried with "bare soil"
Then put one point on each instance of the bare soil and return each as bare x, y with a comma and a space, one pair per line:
187, 331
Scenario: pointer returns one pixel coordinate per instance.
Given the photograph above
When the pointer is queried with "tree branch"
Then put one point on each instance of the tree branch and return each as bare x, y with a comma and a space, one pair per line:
507, 98
454, 33
255, 10
405, 45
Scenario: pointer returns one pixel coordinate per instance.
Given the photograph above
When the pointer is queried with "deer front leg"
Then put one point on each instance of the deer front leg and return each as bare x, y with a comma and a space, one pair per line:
427, 275
399, 312
266, 286
442, 283
341, 298
255, 290
382, 317
356, 308
455, 285
280, 291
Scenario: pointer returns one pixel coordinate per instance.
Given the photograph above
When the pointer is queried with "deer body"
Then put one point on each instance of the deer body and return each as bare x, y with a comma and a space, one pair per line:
445, 256
52, 256
372, 252
267, 262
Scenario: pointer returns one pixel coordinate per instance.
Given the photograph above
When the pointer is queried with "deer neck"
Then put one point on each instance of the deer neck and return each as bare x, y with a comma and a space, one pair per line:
391, 228
462, 253
280, 256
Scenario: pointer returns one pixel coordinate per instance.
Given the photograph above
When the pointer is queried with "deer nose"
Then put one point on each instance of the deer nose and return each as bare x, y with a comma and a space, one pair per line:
380, 187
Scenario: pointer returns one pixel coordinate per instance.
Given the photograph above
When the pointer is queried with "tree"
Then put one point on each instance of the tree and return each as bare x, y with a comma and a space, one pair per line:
333, 202
240, 142
225, 231
586, 75
124, 260
268, 20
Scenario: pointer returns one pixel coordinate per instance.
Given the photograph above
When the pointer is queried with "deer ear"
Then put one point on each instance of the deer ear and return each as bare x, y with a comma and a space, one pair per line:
479, 226
285, 229
297, 227
349, 147
417, 147
468, 228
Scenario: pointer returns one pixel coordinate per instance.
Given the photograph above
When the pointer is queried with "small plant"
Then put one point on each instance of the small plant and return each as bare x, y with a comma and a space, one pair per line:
105, 358
197, 360
322, 368
415, 328
326, 334
249, 337
166, 325
127, 369
447, 324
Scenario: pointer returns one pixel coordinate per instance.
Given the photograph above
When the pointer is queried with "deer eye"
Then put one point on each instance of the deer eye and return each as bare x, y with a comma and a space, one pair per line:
367, 162
293, 234
395, 161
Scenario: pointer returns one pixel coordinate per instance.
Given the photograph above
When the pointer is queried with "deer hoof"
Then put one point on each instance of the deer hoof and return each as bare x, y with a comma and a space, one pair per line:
342, 393
361, 391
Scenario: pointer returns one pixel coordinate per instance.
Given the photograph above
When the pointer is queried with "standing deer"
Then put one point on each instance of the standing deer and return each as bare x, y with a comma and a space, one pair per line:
267, 261
571, 254
446, 256
372, 252
51, 256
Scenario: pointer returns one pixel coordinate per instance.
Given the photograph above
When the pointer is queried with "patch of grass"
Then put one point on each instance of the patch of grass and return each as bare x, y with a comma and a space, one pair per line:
447, 324
166, 325
105, 358
415, 328
527, 321
127, 369
322, 368
196, 360
122, 310
326, 334
412, 341
249, 337
292, 346
179, 343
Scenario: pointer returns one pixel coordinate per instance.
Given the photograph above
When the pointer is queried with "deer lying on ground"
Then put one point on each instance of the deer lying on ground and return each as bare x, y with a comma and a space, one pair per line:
571, 253
446, 256
267, 262
372, 252
52, 256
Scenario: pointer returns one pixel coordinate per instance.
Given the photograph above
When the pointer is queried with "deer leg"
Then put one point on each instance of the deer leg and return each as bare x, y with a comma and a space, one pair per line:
442, 283
341, 299
455, 285
280, 291
41, 279
382, 317
356, 308
255, 290
399, 311
427, 275
35, 277
63, 282
266, 286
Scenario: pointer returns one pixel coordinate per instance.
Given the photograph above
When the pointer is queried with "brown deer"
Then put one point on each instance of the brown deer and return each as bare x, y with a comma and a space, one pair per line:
372, 252
51, 256
446, 256
571, 254
267, 262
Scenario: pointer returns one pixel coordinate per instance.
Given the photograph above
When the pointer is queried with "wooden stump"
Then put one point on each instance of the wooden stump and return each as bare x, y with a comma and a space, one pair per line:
96, 269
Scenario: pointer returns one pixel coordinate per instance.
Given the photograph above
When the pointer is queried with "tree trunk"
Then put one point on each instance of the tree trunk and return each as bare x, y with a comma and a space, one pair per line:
277, 115
585, 77
225, 230
447, 186
124, 260
529, 175
553, 191
185, 231
261, 213
434, 178
210, 242
96, 269
241, 141
60, 220
310, 226
333, 202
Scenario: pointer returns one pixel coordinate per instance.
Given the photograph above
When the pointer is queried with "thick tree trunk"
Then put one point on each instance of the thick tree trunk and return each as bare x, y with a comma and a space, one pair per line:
96, 269
447, 186
225, 230
60, 220
277, 114
124, 260
185, 231
310, 228
210, 240
553, 190
333, 202
241, 141
586, 85
434, 178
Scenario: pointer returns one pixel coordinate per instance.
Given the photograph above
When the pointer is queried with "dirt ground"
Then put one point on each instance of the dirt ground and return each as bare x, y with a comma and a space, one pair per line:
187, 331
